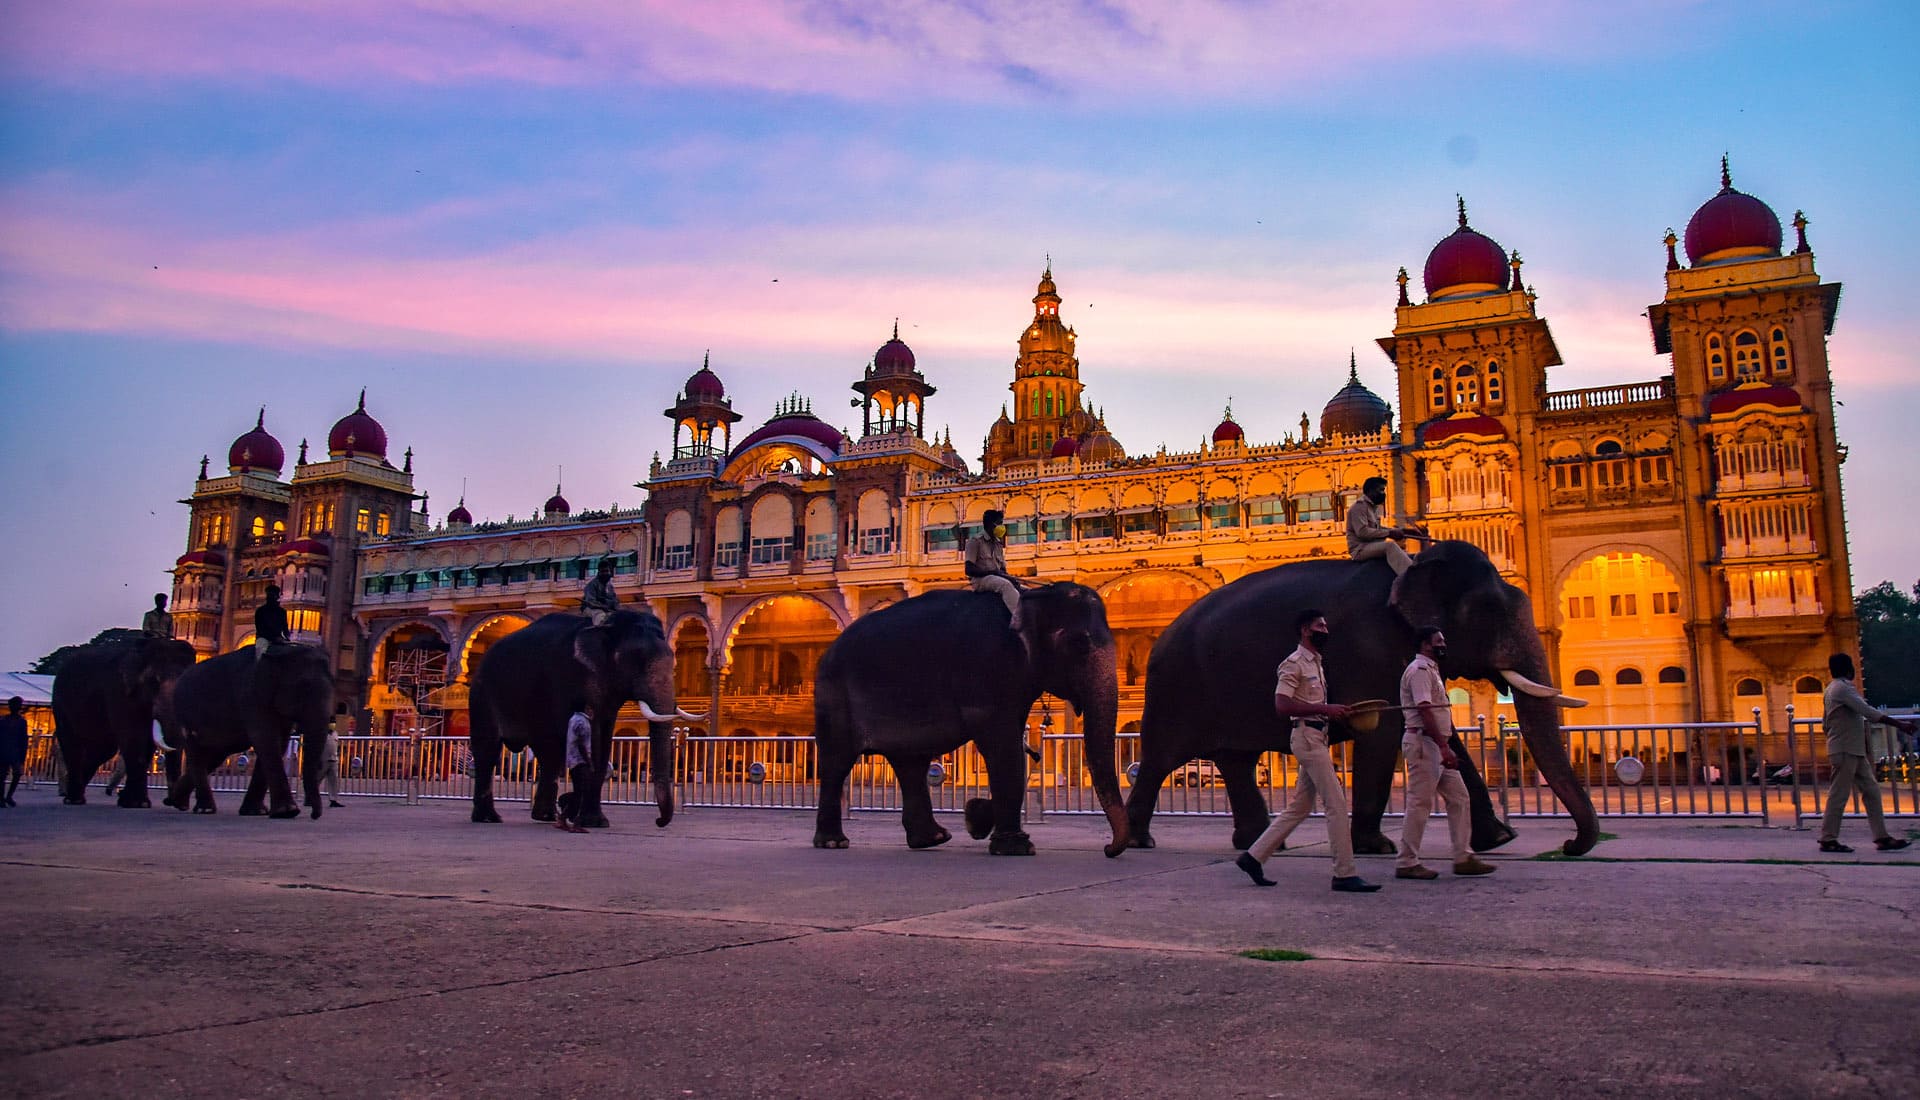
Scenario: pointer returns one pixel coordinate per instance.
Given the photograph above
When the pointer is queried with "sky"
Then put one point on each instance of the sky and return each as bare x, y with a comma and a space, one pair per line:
521, 226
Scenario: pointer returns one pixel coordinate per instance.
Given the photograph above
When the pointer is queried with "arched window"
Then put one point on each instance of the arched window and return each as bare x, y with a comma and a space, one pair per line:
1439, 390
1036, 404
1746, 355
1049, 402
1777, 352
259, 527
1716, 358
1466, 386
1673, 674
1493, 382
1586, 677
1748, 687
1628, 676
1610, 465
1806, 685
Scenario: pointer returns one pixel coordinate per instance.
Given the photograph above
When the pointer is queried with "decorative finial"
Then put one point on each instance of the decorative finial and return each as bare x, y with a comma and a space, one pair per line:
1514, 261
1800, 230
463, 492
424, 498
408, 468
203, 467
706, 359
1673, 260
363, 401
303, 452
1461, 200
260, 422
1402, 280
1353, 366
1726, 177
1228, 415
896, 328
1306, 426
1048, 273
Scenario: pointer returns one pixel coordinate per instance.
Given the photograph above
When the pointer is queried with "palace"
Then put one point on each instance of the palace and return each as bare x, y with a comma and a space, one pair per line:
1682, 537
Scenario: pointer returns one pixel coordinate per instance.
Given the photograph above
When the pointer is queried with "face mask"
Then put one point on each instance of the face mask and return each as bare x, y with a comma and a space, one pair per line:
1377, 498
1000, 532
1320, 638
1440, 654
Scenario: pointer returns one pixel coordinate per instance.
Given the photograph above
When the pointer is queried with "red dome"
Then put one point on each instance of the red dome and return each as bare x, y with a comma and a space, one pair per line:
704, 385
1729, 401
1731, 225
460, 513
557, 505
202, 557
305, 546
1465, 425
257, 450
805, 425
358, 434
1065, 447
1228, 430
1466, 262
893, 357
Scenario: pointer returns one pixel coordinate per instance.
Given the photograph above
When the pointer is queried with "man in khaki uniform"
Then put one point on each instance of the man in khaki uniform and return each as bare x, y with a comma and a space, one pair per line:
1845, 715
1367, 536
157, 623
987, 564
1431, 765
1300, 697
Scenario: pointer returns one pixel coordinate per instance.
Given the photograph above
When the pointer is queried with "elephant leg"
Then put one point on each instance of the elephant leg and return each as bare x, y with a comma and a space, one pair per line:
836, 763
171, 763
1489, 832
590, 814
546, 785
1145, 795
270, 746
1376, 756
252, 804
486, 758
79, 774
138, 755
916, 804
1007, 782
1243, 795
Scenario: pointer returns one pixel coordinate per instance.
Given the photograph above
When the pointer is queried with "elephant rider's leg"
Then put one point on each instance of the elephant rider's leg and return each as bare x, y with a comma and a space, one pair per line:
916, 804
1008, 592
1385, 548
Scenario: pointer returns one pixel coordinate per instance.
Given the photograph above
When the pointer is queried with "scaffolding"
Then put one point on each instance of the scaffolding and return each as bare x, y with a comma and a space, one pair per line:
415, 673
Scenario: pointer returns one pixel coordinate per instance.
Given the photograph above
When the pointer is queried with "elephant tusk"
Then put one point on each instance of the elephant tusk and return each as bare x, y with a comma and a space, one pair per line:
159, 738
652, 715
1540, 691
685, 716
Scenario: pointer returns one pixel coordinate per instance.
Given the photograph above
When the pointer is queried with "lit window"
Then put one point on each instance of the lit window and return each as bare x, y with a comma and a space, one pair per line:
259, 527
1623, 603
382, 524
1778, 353
1466, 387
363, 521
1746, 355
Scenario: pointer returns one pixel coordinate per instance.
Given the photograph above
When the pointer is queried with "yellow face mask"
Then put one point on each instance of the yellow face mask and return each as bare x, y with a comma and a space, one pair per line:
1000, 532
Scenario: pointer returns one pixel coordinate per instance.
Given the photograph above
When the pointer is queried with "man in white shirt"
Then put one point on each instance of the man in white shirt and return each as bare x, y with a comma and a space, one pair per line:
1431, 766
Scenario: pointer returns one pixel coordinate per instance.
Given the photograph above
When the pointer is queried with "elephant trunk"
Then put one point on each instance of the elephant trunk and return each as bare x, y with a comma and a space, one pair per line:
1540, 726
1099, 706
659, 705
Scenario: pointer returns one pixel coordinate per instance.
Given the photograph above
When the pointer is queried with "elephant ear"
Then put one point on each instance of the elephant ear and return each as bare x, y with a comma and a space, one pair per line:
593, 648
1426, 592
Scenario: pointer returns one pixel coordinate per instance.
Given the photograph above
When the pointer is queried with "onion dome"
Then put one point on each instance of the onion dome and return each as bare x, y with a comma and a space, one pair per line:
1731, 401
794, 417
358, 434
704, 385
1065, 447
202, 557
1466, 262
1227, 431
894, 357
257, 450
460, 517
1100, 446
1355, 410
1463, 425
556, 504
305, 546
1732, 225
950, 455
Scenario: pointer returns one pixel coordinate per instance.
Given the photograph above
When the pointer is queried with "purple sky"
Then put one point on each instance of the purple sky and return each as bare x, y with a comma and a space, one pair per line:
520, 226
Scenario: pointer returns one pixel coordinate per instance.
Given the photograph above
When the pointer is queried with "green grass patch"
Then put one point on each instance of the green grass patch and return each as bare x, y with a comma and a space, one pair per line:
1276, 955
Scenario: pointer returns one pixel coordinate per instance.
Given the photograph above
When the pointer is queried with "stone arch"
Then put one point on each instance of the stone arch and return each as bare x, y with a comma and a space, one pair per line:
438, 626
746, 612
1618, 608
479, 634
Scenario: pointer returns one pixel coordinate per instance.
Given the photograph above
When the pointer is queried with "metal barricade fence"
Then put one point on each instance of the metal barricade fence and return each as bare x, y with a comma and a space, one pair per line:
1686, 769
1894, 757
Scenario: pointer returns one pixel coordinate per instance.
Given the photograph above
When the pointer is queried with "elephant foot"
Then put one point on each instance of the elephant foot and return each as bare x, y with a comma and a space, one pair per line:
252, 811
594, 820
205, 808
1374, 844
935, 839
286, 812
69, 800
486, 816
979, 818
1486, 840
1010, 844
168, 801
126, 803
1140, 838
824, 840
544, 813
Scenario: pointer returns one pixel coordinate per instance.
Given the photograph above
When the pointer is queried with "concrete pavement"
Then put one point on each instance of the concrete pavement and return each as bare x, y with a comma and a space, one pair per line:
400, 950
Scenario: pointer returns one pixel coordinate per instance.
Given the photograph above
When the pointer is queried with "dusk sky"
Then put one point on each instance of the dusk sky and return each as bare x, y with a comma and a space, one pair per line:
520, 226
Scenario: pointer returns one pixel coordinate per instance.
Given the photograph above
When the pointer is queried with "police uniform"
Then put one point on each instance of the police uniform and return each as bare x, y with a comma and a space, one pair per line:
989, 554
1303, 677
1421, 685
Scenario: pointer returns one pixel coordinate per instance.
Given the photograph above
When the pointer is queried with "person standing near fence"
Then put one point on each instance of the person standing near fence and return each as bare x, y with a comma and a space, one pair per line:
1300, 697
1431, 766
13, 748
1844, 719
579, 768
330, 758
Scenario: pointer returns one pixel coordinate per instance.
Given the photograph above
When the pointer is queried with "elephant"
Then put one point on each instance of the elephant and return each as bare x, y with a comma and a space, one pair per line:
104, 701
529, 683
926, 675
243, 701
1210, 682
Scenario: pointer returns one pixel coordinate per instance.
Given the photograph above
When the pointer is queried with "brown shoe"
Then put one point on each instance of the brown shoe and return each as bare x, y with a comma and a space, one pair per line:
1473, 865
1416, 872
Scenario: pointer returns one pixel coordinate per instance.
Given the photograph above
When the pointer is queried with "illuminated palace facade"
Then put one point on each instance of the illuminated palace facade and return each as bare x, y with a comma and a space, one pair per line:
1681, 537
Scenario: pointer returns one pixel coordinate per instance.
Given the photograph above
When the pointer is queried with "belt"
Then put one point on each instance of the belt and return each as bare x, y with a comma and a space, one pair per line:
1316, 723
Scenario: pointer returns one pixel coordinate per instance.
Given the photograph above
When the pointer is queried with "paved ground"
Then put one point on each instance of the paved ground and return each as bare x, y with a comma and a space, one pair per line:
400, 950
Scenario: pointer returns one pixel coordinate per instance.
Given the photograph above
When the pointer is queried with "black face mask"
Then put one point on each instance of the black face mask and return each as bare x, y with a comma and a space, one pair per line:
1440, 653
1377, 498
1320, 638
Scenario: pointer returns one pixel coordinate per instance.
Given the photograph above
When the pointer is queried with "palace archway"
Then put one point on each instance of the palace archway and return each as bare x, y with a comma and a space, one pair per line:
1623, 643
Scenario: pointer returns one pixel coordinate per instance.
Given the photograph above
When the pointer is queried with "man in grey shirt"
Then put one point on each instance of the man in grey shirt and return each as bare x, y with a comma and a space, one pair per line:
579, 768
1845, 720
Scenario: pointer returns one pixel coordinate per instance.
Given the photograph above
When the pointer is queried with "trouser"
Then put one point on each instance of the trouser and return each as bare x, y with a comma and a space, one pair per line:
1385, 548
1316, 777
1852, 772
10, 774
1426, 777
578, 775
1008, 592
330, 776
599, 617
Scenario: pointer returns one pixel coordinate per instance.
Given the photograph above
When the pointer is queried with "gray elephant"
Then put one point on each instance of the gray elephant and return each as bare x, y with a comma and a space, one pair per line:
530, 682
1210, 683
104, 700
243, 701
927, 675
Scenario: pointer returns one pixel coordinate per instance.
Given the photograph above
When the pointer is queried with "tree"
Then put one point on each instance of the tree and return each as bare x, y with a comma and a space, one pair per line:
1890, 644
51, 664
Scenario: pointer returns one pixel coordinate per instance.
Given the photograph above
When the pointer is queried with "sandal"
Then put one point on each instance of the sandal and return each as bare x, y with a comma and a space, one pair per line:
1890, 844
1833, 846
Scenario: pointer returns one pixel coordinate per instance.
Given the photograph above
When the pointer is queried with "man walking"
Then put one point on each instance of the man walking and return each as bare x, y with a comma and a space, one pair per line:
1300, 697
579, 768
157, 623
1431, 765
600, 601
1844, 719
13, 749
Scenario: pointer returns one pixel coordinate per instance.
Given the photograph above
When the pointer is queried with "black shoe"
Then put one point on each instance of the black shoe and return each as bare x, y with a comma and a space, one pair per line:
1890, 844
1354, 884
1833, 846
1252, 867
333, 804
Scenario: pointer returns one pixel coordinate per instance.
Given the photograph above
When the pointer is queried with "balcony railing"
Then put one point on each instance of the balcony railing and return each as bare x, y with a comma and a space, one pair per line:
1606, 397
